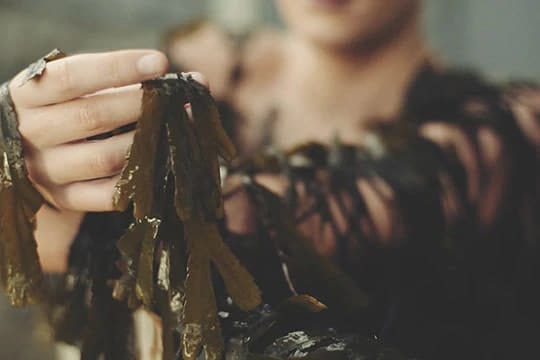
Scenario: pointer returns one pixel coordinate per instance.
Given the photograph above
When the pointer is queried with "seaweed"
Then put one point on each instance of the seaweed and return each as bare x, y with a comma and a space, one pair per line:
20, 270
36, 69
307, 271
170, 253
172, 181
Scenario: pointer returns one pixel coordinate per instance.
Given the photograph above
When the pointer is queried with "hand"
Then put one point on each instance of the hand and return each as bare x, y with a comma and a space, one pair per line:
76, 98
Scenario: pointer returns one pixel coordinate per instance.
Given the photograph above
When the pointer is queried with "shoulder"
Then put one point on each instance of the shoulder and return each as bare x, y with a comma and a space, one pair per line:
439, 92
202, 47
220, 56
262, 53
492, 129
467, 99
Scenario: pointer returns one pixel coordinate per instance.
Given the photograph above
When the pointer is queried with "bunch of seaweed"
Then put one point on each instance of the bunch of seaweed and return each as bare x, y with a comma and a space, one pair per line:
172, 183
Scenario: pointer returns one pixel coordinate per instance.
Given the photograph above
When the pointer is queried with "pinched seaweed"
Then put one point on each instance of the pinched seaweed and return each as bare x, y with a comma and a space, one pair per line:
172, 181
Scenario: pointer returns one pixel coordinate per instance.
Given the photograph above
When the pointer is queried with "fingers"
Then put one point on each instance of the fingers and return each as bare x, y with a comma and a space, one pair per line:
75, 76
93, 196
79, 161
80, 119
200, 78
84, 117
76, 98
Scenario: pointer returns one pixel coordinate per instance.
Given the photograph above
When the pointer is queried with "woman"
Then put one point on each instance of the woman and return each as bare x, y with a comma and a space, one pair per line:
342, 68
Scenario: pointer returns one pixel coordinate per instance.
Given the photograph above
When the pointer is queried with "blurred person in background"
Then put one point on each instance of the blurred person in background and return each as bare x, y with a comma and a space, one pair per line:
341, 67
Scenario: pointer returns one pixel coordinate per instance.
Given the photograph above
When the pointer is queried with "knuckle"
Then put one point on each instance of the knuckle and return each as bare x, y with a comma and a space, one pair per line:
36, 176
103, 164
114, 70
33, 129
26, 123
14, 90
61, 203
59, 198
89, 118
63, 76
36, 173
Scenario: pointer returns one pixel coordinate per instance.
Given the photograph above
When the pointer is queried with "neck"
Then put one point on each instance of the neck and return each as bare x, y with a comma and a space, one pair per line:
377, 77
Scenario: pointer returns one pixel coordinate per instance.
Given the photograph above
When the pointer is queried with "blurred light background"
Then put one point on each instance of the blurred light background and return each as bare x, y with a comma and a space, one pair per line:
499, 37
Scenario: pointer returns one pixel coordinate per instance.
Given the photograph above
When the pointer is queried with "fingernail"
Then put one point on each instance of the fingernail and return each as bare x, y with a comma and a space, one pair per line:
151, 64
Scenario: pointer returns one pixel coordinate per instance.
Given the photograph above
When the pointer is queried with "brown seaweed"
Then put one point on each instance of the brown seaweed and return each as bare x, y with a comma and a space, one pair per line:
36, 69
172, 180
20, 272
310, 273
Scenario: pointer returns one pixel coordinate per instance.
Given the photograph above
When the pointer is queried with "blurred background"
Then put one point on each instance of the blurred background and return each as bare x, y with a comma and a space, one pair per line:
499, 37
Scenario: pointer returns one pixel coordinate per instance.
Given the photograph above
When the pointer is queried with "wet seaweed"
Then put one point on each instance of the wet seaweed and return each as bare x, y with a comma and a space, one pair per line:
172, 180
20, 270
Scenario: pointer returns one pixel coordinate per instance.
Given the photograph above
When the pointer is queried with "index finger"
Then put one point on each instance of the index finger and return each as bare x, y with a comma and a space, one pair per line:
74, 76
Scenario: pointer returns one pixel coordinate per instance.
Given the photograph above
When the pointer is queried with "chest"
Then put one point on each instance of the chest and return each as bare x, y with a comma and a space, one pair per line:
282, 117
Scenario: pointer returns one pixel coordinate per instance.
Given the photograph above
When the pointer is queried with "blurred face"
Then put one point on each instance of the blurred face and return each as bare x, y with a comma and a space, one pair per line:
347, 23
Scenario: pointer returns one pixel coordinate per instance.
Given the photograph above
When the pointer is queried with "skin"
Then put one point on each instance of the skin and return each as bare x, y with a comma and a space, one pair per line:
88, 94
78, 97
340, 68
348, 26
365, 52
